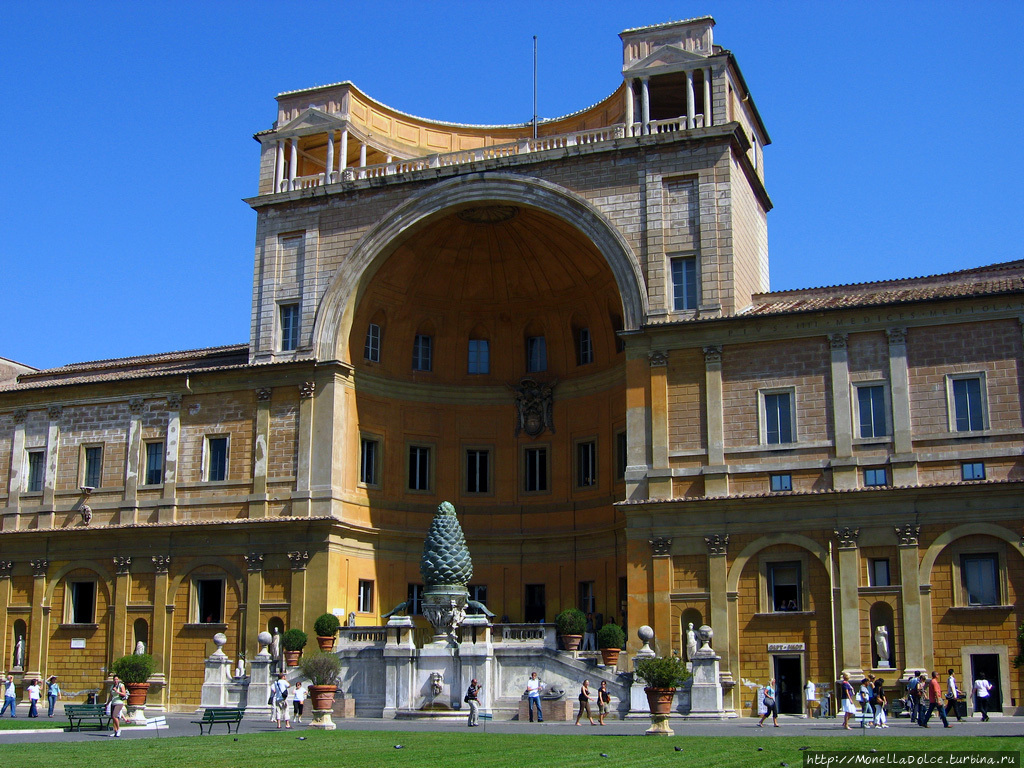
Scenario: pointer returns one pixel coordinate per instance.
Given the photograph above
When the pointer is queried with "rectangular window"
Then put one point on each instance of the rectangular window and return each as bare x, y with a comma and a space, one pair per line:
92, 466
371, 349
289, 327
871, 411
588, 603
536, 354
782, 482
876, 476
535, 471
586, 464
365, 603
980, 574
778, 417
216, 458
478, 468
684, 282
369, 461
209, 601
422, 352
620, 456
477, 592
535, 604
878, 572
968, 404
784, 586
36, 464
972, 470
154, 463
419, 468
584, 347
82, 608
479, 356
414, 600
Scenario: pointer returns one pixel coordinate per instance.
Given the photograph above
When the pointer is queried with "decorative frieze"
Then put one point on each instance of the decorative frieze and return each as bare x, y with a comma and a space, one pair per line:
122, 564
135, 405
6, 566
162, 563
307, 389
713, 353
534, 406
263, 393
896, 335
660, 545
299, 560
174, 402
847, 537
908, 534
254, 561
658, 358
39, 567
717, 543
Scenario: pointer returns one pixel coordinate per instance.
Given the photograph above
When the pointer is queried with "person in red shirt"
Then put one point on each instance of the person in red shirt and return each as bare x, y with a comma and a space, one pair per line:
934, 697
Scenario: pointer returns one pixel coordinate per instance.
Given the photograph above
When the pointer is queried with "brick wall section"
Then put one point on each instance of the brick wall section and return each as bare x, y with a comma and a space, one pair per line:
689, 573
276, 585
80, 669
6, 446
687, 417
749, 240
868, 355
228, 413
283, 447
141, 588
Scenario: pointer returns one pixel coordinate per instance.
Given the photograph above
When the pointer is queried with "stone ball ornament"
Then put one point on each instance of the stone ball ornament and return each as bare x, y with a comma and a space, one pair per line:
705, 633
645, 633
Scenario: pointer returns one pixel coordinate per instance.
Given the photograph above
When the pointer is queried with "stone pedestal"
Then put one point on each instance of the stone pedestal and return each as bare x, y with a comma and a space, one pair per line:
344, 706
258, 691
557, 710
706, 700
322, 719
659, 726
216, 681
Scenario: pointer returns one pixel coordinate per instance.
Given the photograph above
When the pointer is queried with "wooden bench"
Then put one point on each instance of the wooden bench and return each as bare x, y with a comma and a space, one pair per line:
78, 712
226, 715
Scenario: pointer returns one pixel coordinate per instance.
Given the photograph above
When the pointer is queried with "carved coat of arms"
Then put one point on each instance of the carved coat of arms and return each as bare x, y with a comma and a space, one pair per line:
534, 401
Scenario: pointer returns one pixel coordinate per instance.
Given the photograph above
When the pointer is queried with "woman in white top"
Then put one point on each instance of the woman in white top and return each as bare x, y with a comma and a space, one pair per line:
34, 693
982, 689
297, 700
279, 701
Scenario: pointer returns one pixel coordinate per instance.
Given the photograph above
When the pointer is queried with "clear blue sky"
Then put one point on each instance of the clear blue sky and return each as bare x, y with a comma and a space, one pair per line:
895, 126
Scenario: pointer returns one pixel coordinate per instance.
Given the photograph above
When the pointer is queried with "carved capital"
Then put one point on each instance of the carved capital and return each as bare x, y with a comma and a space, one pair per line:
54, 411
299, 560
135, 404
20, 414
837, 340
847, 537
263, 393
660, 545
174, 402
658, 358
717, 543
713, 353
39, 567
307, 389
254, 561
122, 564
908, 534
896, 335
162, 563
6, 566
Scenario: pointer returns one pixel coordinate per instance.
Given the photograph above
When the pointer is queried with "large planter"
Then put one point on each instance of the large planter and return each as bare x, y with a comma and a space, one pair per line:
322, 696
610, 656
326, 643
571, 642
291, 658
137, 694
660, 700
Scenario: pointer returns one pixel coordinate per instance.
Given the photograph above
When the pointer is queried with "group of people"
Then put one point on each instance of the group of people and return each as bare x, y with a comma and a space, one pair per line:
35, 692
534, 688
872, 699
279, 699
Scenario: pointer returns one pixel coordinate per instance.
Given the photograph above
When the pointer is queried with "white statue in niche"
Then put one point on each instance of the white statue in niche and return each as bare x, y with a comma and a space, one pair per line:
19, 652
882, 646
275, 649
140, 648
691, 642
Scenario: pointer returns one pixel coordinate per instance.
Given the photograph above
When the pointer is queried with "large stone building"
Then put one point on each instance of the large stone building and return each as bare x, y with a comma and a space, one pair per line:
570, 337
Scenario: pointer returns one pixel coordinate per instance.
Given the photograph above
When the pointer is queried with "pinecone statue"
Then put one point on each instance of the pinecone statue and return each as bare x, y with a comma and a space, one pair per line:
446, 560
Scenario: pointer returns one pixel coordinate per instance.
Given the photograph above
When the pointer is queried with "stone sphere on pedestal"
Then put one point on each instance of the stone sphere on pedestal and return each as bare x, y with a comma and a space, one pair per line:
264, 638
645, 633
705, 633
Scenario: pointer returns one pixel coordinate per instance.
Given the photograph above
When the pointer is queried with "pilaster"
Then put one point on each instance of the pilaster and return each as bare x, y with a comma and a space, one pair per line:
130, 507
258, 499
253, 595
849, 612
660, 477
716, 476
844, 470
16, 482
297, 613
55, 412
37, 629
661, 592
122, 585
718, 585
6, 567
169, 503
904, 463
910, 596
303, 471
163, 607
638, 421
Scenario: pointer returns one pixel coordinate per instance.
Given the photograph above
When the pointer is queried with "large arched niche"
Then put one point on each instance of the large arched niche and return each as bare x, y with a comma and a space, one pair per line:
534, 200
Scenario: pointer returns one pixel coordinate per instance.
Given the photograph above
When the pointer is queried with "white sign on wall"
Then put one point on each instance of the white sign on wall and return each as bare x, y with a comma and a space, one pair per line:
785, 647
77, 642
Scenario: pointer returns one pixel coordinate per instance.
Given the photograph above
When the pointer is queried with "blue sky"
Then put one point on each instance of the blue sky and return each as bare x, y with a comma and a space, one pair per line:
895, 126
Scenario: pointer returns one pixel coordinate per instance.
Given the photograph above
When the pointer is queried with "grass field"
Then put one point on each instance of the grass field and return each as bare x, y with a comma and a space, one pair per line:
25, 723
374, 749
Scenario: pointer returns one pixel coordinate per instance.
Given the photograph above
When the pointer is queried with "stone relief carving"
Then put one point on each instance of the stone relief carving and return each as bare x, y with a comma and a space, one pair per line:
54, 411
299, 560
847, 537
39, 567
307, 389
837, 340
534, 406
122, 564
6, 566
896, 335
162, 563
907, 534
174, 402
658, 359
263, 393
254, 561
717, 543
713, 353
135, 404
660, 545
20, 414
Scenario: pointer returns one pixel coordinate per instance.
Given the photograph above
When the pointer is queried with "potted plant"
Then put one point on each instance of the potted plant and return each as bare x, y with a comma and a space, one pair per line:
135, 671
663, 674
293, 641
326, 627
322, 670
570, 625
610, 639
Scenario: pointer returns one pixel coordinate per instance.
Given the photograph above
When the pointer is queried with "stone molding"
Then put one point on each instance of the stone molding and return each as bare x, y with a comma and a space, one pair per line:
307, 389
896, 335
39, 567
847, 537
122, 564
162, 563
717, 543
661, 546
263, 393
907, 534
254, 561
299, 560
658, 358
713, 353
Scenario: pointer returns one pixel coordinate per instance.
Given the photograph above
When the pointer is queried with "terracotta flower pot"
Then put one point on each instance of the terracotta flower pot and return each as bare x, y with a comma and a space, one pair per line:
326, 643
660, 700
137, 694
571, 642
322, 696
610, 656
291, 658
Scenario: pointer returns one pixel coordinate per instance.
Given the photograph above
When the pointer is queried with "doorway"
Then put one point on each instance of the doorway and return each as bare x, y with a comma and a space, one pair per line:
536, 604
789, 684
988, 664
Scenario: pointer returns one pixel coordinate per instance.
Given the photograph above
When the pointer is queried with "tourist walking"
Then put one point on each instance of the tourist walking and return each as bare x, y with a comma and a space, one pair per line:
810, 698
533, 689
279, 701
867, 712
922, 697
935, 702
52, 694
10, 696
982, 691
589, 635
298, 699
915, 699
604, 700
34, 693
115, 700
880, 702
846, 696
473, 699
585, 703
771, 704
953, 696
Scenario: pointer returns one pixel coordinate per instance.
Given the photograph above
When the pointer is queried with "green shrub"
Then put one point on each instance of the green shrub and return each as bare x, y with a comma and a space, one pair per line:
136, 668
320, 668
662, 671
294, 640
326, 625
611, 636
571, 622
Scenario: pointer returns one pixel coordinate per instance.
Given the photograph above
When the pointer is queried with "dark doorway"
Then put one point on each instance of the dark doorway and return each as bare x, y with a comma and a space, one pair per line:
789, 683
536, 605
988, 663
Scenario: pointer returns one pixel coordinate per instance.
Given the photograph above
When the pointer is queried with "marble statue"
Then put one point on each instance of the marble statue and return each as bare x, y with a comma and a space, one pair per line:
275, 649
437, 682
352, 618
691, 642
140, 648
240, 667
882, 645
19, 652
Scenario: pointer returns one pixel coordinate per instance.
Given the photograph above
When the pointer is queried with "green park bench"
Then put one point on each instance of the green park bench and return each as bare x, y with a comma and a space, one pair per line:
226, 715
78, 712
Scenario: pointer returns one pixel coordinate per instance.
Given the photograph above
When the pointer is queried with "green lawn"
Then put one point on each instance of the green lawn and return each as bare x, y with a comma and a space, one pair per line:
24, 723
374, 749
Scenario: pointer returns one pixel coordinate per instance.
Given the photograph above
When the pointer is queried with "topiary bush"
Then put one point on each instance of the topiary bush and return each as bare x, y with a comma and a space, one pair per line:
136, 668
571, 622
662, 671
320, 668
294, 640
611, 636
326, 625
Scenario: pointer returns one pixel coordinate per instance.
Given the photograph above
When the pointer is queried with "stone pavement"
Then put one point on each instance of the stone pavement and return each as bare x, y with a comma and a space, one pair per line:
179, 725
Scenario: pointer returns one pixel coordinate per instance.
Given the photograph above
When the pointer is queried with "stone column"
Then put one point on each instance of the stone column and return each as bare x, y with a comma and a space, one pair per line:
718, 587
904, 462
130, 507
914, 652
6, 567
119, 631
849, 608
297, 614
844, 467
329, 164
716, 473
163, 609
661, 586
660, 476
279, 166
293, 163
301, 496
259, 498
55, 412
16, 482
629, 107
645, 105
343, 153
253, 595
169, 502
38, 631
708, 117
362, 154
689, 99
638, 422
